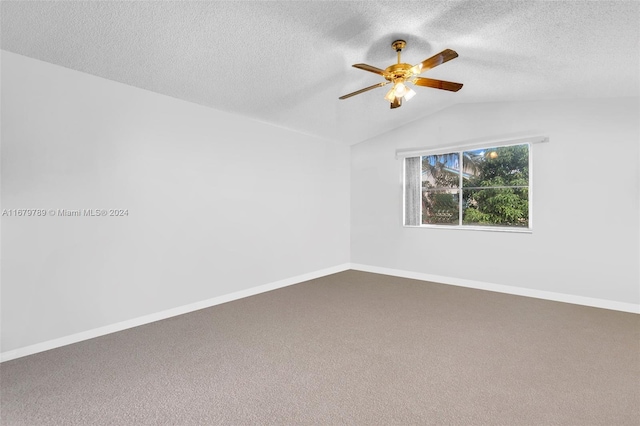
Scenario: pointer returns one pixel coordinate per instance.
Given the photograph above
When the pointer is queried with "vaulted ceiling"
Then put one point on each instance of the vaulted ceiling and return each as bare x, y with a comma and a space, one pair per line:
286, 63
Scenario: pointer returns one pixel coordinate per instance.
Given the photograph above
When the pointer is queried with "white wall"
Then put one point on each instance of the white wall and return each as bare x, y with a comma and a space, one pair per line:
217, 203
585, 239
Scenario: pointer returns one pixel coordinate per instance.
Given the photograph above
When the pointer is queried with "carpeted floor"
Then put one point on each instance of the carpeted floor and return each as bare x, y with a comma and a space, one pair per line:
351, 348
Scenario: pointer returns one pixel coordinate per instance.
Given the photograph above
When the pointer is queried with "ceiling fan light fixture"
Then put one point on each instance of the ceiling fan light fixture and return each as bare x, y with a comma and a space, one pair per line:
391, 95
410, 93
400, 90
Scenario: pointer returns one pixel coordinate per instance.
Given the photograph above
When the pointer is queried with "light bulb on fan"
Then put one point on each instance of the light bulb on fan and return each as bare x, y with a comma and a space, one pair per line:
400, 89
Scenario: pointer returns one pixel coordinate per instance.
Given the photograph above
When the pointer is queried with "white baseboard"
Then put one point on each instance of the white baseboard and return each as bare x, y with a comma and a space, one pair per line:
146, 319
97, 332
499, 288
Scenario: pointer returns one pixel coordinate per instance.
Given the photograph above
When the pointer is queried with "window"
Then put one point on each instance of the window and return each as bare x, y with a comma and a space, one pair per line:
477, 188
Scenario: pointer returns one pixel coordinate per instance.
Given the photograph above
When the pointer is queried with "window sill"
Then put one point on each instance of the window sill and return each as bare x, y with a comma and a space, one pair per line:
476, 228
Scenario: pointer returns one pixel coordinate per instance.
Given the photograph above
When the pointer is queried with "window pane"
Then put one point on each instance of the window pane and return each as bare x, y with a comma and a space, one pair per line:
441, 171
440, 207
502, 166
496, 207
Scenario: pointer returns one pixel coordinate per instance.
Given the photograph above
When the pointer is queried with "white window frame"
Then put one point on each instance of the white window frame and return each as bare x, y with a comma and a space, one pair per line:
460, 148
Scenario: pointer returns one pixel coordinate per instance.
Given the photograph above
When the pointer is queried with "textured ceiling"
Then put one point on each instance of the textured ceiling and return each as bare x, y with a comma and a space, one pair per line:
286, 63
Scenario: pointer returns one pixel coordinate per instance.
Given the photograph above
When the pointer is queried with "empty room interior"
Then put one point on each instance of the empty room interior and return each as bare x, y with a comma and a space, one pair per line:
320, 213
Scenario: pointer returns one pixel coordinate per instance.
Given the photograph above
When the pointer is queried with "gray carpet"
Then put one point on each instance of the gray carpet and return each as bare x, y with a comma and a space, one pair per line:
350, 348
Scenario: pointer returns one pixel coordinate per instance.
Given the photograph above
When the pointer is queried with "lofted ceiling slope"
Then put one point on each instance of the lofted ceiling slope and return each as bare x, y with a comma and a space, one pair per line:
286, 63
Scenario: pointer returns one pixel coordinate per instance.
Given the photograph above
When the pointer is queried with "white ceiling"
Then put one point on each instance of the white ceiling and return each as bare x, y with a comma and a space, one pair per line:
286, 63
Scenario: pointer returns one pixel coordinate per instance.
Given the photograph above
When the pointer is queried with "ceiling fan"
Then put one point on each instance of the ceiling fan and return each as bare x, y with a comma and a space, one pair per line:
399, 74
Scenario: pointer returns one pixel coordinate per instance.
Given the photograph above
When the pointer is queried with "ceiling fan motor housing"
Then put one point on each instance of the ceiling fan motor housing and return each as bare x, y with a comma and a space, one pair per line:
398, 72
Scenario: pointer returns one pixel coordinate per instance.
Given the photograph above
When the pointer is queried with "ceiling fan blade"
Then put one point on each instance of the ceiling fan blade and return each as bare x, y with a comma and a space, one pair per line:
369, 68
434, 61
357, 92
397, 103
437, 84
